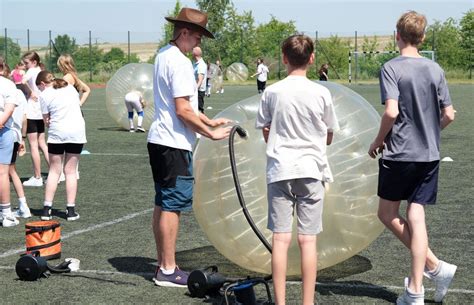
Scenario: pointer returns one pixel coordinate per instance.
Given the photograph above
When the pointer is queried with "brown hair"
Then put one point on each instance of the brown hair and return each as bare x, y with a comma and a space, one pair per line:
3, 66
48, 77
411, 27
32, 56
298, 50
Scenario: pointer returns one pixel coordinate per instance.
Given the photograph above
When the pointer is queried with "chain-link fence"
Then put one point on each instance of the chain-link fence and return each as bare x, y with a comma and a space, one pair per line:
99, 54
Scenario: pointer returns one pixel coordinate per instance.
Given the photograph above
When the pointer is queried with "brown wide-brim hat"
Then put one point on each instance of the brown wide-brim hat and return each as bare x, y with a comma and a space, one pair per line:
193, 18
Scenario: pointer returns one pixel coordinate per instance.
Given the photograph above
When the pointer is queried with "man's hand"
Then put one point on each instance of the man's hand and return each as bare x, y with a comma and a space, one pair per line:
375, 149
219, 121
266, 132
221, 133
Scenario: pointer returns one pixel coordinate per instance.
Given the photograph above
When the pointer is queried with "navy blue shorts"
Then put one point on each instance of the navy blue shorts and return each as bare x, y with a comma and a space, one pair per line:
172, 170
411, 181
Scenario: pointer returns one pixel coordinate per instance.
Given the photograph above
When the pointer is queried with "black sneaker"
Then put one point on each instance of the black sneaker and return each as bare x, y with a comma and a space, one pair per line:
46, 215
71, 214
140, 129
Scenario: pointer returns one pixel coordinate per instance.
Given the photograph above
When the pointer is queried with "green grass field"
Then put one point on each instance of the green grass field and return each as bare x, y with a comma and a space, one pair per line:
114, 241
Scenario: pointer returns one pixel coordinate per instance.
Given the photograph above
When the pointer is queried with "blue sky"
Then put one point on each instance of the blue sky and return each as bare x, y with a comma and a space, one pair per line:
110, 20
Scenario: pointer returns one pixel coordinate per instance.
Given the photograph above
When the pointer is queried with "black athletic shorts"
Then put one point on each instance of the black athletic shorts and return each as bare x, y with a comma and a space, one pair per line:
61, 148
16, 146
34, 126
172, 170
411, 181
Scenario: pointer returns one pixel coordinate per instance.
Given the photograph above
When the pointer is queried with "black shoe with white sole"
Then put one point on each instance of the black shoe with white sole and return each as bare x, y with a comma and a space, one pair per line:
71, 214
46, 215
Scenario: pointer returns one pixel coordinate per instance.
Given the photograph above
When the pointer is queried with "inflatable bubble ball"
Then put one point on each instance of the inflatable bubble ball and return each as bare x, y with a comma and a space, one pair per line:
350, 220
237, 72
131, 77
216, 76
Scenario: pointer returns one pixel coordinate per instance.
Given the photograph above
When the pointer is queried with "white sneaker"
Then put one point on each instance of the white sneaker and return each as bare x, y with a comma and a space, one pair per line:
222, 90
8, 220
33, 182
140, 129
442, 279
62, 178
408, 298
22, 213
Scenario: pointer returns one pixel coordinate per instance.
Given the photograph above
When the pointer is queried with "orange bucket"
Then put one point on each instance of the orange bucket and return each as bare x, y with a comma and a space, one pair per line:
45, 237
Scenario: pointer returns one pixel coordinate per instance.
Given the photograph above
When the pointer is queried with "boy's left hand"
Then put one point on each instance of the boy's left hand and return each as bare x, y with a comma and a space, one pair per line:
375, 149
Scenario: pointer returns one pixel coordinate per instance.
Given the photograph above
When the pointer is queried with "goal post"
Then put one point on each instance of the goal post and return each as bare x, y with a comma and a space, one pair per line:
368, 63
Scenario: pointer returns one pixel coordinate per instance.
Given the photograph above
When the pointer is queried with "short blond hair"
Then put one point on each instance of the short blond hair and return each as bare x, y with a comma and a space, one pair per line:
411, 27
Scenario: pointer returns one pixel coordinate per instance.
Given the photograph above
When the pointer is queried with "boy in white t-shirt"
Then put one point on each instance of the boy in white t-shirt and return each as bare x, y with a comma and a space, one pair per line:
297, 118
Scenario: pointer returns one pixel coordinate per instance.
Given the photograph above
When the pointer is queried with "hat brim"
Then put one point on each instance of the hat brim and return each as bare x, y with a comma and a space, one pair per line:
194, 26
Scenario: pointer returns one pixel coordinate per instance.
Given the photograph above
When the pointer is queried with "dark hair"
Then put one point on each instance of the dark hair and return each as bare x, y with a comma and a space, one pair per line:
324, 68
32, 56
2, 64
298, 50
48, 77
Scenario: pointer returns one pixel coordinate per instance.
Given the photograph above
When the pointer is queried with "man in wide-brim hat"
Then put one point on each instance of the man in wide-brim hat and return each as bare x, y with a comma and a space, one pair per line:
171, 138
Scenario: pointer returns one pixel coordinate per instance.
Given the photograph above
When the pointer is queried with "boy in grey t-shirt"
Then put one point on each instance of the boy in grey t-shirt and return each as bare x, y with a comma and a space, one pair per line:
417, 108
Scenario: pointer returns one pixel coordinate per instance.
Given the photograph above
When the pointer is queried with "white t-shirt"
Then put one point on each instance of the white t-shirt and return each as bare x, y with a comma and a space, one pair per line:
262, 71
33, 111
173, 77
299, 113
200, 67
18, 114
66, 124
7, 96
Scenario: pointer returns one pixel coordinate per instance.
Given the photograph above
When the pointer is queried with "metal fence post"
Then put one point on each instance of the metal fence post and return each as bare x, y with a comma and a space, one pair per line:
316, 54
128, 46
394, 40
90, 56
28, 38
50, 58
356, 59
5, 45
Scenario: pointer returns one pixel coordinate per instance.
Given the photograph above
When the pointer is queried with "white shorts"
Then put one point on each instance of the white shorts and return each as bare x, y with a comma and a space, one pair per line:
133, 105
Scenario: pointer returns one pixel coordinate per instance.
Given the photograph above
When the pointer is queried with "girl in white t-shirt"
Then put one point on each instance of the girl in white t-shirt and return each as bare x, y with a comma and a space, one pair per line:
8, 102
61, 110
34, 119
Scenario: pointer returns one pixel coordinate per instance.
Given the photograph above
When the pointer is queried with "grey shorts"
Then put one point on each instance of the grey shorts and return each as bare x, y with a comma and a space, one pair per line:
306, 194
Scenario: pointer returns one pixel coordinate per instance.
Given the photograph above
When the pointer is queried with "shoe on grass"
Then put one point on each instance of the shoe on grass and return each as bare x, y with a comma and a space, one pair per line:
46, 214
8, 220
22, 213
442, 280
178, 279
33, 182
140, 129
71, 214
408, 297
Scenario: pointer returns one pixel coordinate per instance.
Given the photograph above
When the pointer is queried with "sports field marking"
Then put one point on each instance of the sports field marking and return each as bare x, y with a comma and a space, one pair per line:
81, 231
329, 285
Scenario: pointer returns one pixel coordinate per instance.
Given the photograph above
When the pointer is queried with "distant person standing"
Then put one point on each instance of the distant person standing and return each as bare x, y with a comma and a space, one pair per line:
200, 74
417, 107
220, 73
66, 65
262, 75
35, 129
17, 77
323, 73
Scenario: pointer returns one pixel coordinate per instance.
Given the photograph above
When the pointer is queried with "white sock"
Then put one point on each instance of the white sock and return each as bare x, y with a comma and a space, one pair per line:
48, 203
71, 205
5, 209
131, 124
139, 121
23, 205
166, 272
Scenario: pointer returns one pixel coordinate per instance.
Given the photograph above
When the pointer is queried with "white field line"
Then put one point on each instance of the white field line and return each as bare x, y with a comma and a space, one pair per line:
329, 285
81, 231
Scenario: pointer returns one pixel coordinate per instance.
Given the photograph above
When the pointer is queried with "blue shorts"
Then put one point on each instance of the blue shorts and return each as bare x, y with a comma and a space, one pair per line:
7, 140
172, 170
411, 181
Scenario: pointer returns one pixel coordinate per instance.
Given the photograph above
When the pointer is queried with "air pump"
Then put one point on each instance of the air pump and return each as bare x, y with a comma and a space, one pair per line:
208, 281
